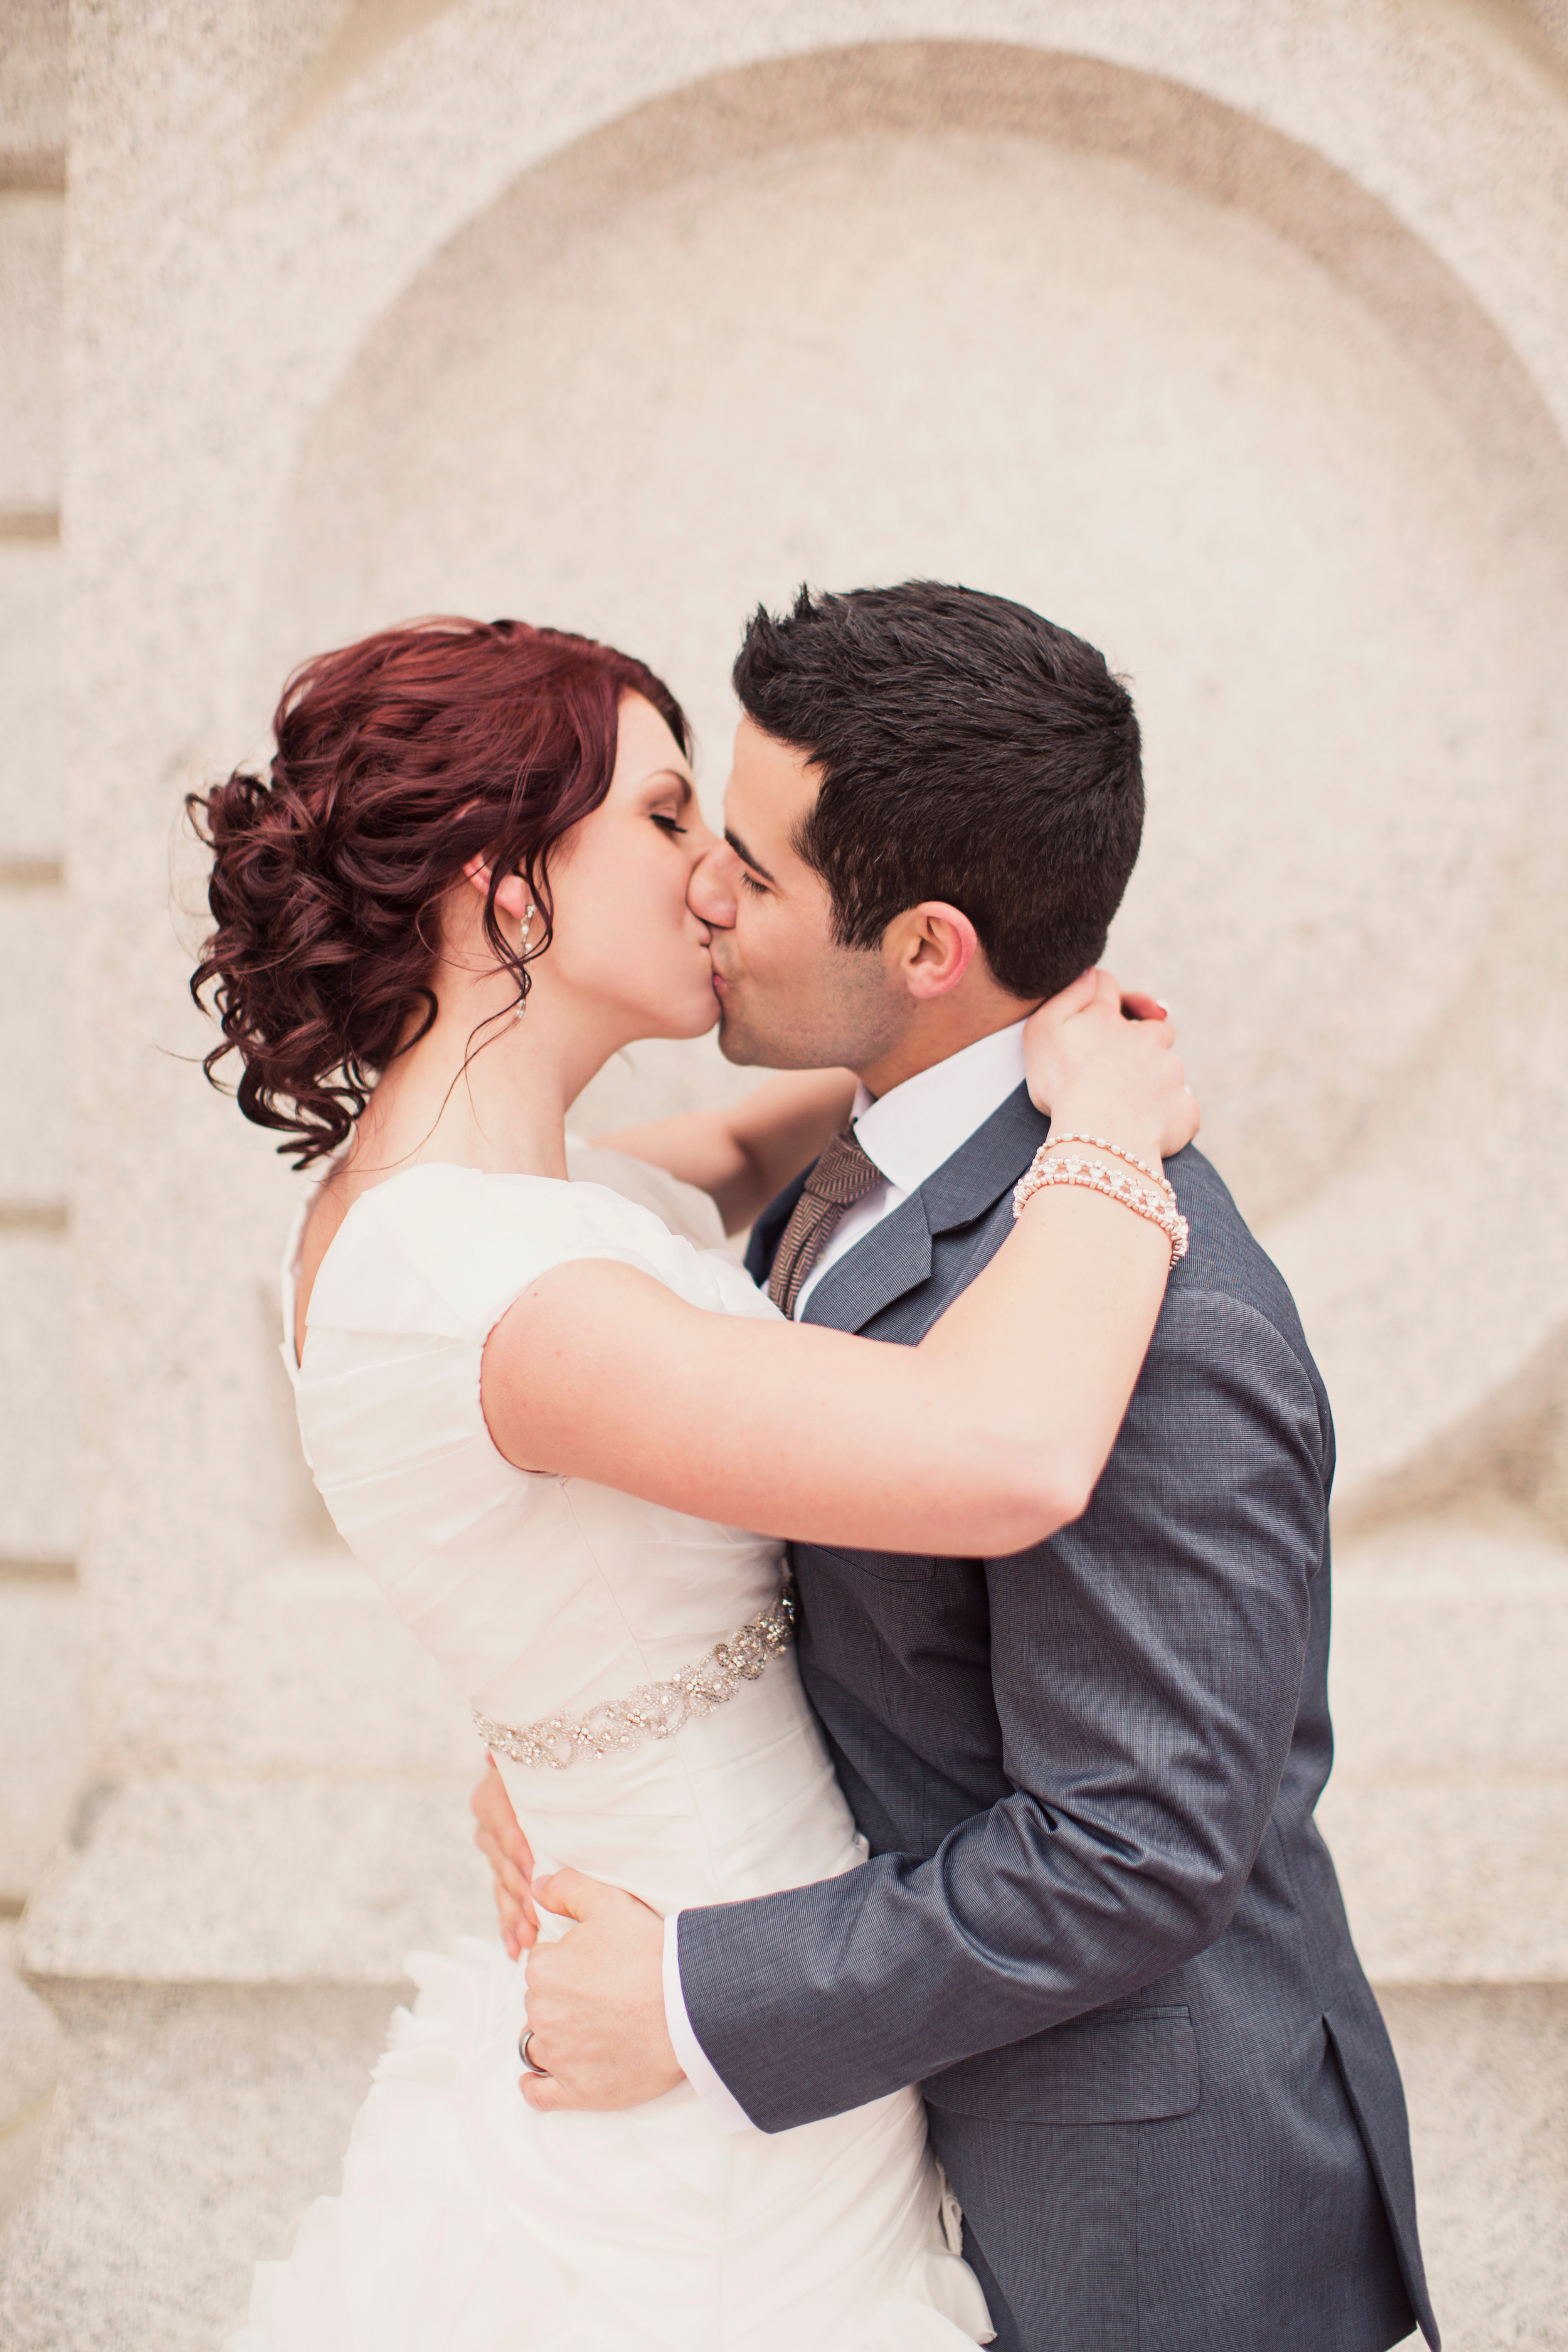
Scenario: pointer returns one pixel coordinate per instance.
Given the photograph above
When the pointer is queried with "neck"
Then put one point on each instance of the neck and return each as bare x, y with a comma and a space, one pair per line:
484, 1087
938, 1031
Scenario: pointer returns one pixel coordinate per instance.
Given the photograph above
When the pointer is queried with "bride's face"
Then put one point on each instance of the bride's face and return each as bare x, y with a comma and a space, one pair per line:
627, 946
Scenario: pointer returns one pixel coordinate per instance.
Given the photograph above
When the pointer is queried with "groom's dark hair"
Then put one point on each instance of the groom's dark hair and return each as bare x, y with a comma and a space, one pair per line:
969, 751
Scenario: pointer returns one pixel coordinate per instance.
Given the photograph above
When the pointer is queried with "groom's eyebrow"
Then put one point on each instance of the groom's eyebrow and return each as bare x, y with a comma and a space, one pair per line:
744, 854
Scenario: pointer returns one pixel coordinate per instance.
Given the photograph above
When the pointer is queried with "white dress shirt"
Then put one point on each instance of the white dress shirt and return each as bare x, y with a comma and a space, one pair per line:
909, 1132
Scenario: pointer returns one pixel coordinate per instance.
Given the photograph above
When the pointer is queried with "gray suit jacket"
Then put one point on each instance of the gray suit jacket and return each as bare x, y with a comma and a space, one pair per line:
1098, 1914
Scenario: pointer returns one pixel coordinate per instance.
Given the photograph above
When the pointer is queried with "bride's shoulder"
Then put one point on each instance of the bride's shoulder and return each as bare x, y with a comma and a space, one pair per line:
680, 1207
441, 1248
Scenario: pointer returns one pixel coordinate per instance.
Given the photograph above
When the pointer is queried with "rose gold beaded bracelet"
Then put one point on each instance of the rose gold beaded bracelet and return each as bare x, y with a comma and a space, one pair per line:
1116, 1153
1093, 1176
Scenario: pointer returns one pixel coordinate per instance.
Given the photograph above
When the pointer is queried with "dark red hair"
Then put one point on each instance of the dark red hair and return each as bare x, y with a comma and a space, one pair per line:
398, 759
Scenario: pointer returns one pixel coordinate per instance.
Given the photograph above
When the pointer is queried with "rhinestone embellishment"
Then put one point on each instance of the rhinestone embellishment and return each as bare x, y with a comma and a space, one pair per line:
655, 1711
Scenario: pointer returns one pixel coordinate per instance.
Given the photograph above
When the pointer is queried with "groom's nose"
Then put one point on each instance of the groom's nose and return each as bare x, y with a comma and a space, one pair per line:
714, 889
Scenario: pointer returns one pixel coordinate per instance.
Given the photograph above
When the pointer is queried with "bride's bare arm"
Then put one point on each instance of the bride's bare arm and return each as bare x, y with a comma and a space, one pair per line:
745, 1154
987, 1437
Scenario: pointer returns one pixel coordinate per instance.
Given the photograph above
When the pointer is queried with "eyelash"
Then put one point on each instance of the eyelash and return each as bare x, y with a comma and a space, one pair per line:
667, 824
749, 882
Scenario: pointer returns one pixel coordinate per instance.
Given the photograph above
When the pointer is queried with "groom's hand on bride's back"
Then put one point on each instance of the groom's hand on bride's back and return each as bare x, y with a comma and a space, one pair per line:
510, 1859
596, 2002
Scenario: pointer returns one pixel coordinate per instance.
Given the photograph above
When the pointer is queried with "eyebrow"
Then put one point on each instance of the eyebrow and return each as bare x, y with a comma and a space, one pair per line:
744, 854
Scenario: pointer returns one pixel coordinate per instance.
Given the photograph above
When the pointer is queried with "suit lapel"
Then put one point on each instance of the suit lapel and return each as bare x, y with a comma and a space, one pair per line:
896, 1256
982, 1169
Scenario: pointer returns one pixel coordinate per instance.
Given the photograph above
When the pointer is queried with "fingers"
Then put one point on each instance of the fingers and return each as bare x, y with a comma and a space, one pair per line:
1074, 998
570, 1893
1148, 1013
519, 1927
508, 1875
1180, 1117
543, 2093
1180, 1121
492, 1810
490, 1805
1096, 994
1099, 987
540, 2087
511, 1891
510, 1859
1101, 1058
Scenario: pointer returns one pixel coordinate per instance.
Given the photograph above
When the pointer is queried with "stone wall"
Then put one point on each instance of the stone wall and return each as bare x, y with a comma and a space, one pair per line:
1235, 335
44, 1730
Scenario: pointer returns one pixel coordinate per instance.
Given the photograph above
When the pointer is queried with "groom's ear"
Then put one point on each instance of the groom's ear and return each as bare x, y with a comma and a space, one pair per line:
929, 948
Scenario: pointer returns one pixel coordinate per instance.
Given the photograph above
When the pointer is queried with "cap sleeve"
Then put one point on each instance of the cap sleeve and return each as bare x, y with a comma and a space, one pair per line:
446, 1250
684, 1211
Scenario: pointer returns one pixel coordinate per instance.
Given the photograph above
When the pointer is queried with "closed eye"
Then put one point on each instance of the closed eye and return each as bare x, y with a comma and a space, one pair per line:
669, 824
749, 882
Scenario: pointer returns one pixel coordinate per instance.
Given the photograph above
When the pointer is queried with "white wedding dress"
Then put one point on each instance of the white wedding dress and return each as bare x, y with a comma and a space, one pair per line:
467, 2222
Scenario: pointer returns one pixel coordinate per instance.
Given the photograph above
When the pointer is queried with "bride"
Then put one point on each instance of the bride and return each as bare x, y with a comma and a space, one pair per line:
567, 1435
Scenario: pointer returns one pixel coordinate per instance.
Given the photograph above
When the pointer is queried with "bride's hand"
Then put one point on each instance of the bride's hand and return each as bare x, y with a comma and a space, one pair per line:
1104, 1063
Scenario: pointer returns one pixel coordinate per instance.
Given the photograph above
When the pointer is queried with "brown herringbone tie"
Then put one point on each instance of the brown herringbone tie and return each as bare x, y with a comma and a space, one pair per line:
841, 1177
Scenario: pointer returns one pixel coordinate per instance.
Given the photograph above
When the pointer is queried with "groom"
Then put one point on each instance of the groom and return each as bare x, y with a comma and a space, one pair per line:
1099, 1926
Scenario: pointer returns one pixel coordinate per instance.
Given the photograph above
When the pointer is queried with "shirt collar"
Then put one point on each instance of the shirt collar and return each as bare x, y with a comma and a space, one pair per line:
913, 1129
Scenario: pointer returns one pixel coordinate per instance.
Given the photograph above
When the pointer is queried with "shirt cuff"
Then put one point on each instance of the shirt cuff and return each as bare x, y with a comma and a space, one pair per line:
719, 2104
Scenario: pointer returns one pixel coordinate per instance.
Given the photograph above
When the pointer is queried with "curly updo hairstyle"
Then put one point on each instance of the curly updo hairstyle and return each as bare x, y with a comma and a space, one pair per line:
399, 759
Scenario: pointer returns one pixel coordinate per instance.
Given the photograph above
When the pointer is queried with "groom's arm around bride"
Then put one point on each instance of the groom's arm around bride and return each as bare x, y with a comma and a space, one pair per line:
1098, 1923
1099, 1926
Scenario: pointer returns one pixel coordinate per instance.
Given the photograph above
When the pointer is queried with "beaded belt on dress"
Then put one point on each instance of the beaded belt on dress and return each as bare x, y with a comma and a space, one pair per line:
655, 1711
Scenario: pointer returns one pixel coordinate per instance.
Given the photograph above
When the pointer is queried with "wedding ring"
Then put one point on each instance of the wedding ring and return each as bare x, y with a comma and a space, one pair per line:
528, 2066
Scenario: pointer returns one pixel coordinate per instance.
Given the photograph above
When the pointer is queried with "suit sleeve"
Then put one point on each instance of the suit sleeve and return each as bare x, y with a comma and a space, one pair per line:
1147, 1665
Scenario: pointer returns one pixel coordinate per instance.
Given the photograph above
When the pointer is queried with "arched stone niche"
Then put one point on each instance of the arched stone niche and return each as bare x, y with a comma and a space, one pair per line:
1081, 335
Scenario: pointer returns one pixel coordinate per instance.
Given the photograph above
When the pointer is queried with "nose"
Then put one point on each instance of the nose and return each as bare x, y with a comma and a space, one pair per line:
713, 891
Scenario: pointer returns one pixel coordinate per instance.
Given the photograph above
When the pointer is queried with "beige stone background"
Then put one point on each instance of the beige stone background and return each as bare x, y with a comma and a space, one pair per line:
1232, 333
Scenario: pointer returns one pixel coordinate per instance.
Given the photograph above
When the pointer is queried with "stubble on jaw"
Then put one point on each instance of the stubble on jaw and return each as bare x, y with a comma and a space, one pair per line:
846, 1019
774, 1048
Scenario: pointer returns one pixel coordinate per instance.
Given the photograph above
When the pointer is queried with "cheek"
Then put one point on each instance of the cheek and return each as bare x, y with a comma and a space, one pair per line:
601, 917
624, 922
766, 947
787, 958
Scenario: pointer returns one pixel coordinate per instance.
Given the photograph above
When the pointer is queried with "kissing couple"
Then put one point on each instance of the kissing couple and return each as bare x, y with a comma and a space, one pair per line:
903, 1659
